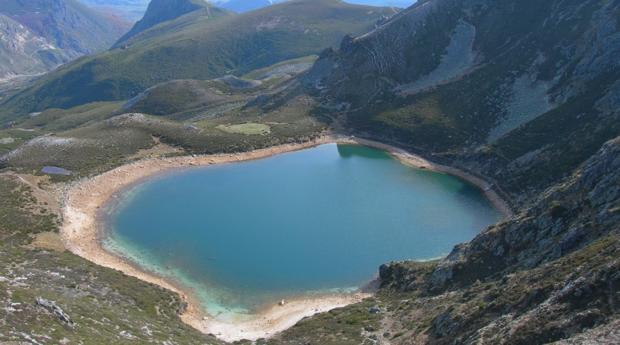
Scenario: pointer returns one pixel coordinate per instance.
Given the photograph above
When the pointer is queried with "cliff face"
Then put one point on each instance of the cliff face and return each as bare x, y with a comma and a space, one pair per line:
23, 52
565, 218
67, 24
38, 35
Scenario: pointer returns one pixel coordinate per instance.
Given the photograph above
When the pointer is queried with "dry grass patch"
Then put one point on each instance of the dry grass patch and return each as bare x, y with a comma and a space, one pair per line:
246, 129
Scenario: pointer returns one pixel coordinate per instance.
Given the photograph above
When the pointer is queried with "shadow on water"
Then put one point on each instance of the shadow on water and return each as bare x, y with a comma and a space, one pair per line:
350, 151
459, 187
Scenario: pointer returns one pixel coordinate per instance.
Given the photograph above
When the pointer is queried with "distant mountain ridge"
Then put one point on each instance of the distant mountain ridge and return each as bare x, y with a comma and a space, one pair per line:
241, 6
131, 10
41, 34
202, 44
68, 24
134, 10
24, 53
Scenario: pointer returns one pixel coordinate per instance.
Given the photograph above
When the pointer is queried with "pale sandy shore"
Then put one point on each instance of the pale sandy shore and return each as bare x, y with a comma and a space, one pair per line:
81, 233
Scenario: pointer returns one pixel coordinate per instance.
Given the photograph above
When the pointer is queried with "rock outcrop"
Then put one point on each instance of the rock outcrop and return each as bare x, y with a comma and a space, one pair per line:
57, 311
566, 218
38, 35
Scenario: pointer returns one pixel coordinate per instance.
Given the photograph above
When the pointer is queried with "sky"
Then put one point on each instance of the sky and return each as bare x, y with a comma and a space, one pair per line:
134, 9
396, 3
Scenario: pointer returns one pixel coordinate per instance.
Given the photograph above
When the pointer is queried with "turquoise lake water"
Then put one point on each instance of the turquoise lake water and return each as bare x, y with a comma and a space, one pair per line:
245, 235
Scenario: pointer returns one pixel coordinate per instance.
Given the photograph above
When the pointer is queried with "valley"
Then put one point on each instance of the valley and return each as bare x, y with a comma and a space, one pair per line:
521, 98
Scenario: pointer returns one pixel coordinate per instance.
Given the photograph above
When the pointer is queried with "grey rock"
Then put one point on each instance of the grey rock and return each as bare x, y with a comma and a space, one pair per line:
374, 310
53, 308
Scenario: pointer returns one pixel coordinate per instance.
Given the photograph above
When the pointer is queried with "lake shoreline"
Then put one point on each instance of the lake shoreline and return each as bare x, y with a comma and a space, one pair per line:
82, 232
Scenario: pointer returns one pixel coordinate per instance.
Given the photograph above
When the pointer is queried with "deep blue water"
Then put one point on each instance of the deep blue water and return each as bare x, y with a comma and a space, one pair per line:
245, 234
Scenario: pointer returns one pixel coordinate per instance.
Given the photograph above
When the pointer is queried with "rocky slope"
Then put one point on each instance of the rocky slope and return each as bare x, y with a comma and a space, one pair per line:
38, 35
464, 80
549, 273
23, 52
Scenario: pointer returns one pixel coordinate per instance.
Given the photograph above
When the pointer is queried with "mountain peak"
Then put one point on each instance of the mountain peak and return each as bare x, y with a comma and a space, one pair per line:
160, 11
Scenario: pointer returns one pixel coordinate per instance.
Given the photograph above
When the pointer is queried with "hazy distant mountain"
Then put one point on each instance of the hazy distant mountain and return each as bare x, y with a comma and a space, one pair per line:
249, 5
395, 3
131, 10
38, 35
241, 6
22, 52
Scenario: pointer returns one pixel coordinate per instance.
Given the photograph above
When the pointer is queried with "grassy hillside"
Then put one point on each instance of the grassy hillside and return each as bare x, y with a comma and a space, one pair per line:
197, 46
103, 306
180, 116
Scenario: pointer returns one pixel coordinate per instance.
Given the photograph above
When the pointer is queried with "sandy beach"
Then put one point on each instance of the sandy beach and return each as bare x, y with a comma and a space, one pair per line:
81, 232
